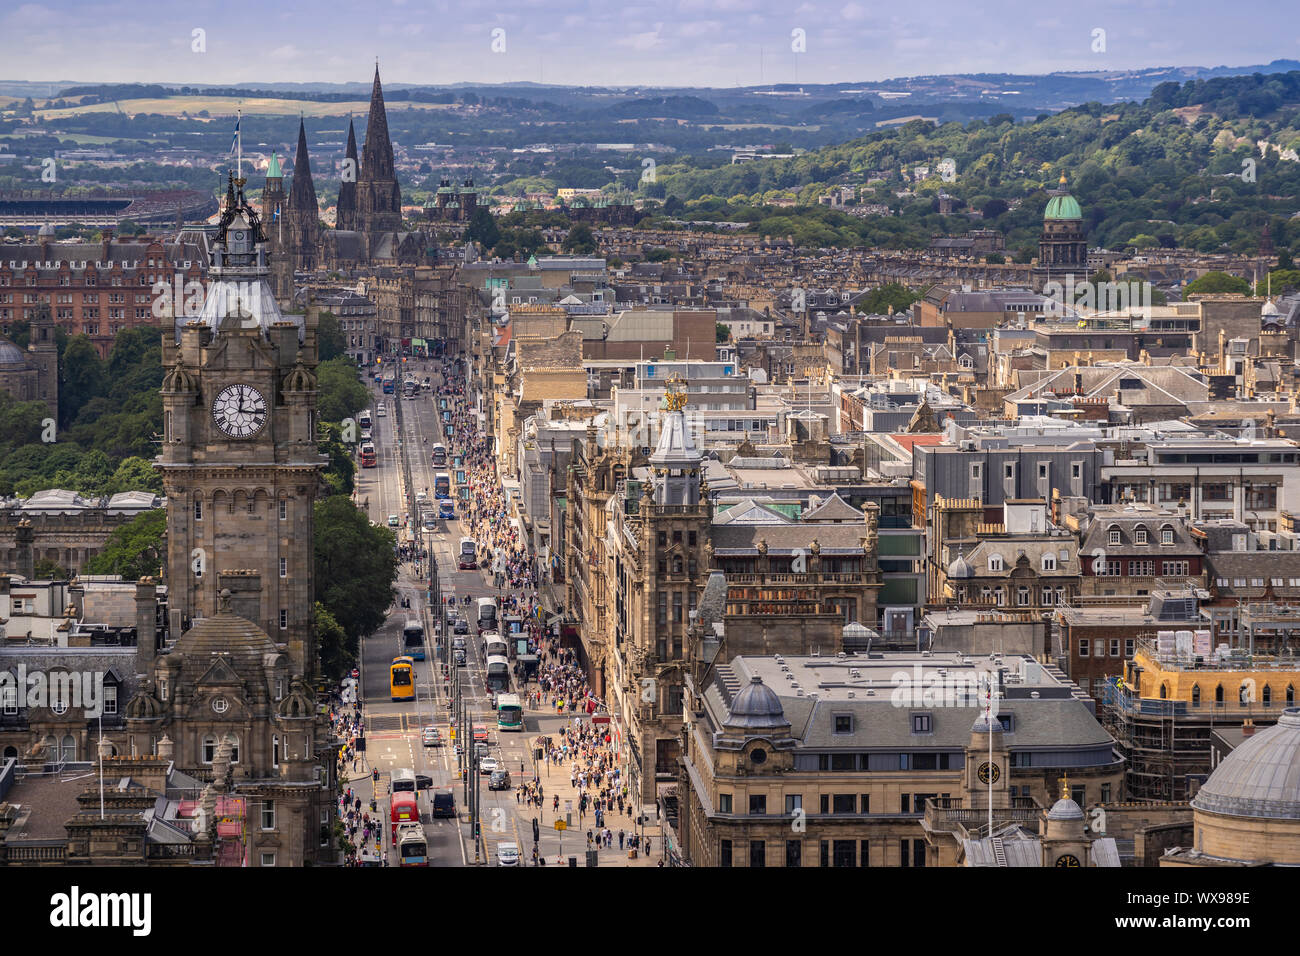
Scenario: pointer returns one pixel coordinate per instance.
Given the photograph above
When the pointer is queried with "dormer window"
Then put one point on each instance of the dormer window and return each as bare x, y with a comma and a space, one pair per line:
1167, 535
1049, 562
1114, 537
996, 563
1140, 536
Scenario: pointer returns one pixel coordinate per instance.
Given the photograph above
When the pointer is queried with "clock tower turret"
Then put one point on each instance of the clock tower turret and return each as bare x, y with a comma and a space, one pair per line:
239, 459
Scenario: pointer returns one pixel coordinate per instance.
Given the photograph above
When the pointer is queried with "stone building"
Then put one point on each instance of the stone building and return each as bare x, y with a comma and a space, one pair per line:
1063, 246
63, 527
32, 375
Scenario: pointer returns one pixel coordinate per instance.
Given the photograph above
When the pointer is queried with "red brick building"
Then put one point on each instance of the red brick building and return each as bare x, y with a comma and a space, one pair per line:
93, 288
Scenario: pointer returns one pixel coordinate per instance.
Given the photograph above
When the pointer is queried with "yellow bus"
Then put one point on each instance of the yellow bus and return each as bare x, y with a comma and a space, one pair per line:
401, 679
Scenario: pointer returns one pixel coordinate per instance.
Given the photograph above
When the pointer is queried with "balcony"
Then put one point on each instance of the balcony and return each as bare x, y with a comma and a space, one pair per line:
785, 577
949, 816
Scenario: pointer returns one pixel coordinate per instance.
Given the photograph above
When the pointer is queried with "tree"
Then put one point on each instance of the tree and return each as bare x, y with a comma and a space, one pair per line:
329, 337
355, 565
341, 472
580, 241
482, 229
1284, 261
83, 377
879, 300
658, 254
134, 474
338, 652
721, 333
135, 549
341, 395
47, 570
1216, 282
995, 258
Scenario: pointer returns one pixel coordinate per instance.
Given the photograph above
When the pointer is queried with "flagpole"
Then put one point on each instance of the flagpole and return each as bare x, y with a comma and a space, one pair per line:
239, 138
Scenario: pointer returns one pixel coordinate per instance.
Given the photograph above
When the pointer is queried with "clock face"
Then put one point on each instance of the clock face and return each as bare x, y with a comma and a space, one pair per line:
989, 772
1067, 860
239, 411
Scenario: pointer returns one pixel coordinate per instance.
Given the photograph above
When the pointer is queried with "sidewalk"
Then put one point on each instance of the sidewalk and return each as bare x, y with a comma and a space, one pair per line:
555, 782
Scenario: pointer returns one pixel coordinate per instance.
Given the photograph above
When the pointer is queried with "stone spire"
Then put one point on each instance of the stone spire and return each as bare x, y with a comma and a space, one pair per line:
304, 212
379, 199
347, 208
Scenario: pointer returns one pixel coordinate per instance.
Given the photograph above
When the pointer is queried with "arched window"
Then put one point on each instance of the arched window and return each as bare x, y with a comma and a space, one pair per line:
1266, 695
1049, 562
996, 563
275, 750
1140, 535
1218, 694
1167, 534
1196, 695
11, 753
234, 747
209, 749
68, 748
1164, 691
1114, 537
677, 564
1290, 695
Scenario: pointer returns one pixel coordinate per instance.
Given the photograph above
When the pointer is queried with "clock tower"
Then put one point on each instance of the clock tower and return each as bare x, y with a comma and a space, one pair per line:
987, 760
239, 460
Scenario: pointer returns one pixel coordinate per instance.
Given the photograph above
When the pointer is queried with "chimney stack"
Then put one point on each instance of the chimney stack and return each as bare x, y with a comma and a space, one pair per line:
1247, 728
146, 624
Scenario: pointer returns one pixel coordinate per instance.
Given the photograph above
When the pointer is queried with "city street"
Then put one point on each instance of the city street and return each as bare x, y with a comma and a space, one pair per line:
393, 738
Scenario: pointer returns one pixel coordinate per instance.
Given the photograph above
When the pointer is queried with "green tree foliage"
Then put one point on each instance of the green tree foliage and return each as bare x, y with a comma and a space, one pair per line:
878, 300
355, 564
83, 377
338, 652
658, 254
340, 475
341, 395
330, 340
135, 549
721, 333
580, 241
1216, 282
47, 570
482, 229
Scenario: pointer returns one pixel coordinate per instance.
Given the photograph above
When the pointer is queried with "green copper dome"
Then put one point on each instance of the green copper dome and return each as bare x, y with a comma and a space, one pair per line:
1063, 207
273, 169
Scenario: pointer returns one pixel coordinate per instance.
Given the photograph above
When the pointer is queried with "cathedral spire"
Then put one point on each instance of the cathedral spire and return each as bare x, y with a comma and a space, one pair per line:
347, 208
379, 198
302, 195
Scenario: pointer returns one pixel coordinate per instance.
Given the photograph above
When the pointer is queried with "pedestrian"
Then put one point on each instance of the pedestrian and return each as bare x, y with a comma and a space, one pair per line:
621, 835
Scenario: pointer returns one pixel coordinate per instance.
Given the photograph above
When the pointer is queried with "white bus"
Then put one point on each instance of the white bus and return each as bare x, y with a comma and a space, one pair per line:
498, 674
494, 644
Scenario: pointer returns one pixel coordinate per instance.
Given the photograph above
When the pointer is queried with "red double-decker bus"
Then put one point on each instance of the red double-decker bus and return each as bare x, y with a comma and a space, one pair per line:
368, 459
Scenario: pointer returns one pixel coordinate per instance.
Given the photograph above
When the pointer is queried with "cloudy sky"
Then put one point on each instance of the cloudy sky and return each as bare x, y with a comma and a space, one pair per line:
634, 43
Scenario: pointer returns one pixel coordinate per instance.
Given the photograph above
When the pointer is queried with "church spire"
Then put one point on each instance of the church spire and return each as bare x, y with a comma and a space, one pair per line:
379, 198
347, 208
377, 158
302, 195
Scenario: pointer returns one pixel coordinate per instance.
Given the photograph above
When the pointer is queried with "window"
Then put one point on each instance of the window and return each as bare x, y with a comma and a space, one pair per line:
844, 803
268, 814
1166, 535
1140, 536
922, 723
1114, 647
995, 562
1076, 470
757, 853
843, 723
1114, 537
1141, 569
198, 510
275, 750
284, 567
284, 619
1128, 646
284, 509
845, 853
724, 853
1049, 562
757, 804
1176, 568
268, 859
1022, 597
110, 698
794, 803
1084, 647
824, 853
209, 749
724, 803
793, 853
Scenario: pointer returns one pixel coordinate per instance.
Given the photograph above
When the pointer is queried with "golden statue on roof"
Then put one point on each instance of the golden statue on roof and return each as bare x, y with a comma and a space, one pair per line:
675, 395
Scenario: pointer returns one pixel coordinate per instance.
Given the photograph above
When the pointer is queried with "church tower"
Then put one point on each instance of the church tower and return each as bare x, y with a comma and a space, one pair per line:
239, 459
304, 211
379, 199
275, 206
347, 208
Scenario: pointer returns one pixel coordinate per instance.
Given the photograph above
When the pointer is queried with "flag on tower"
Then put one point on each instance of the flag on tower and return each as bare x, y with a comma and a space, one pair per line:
235, 139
